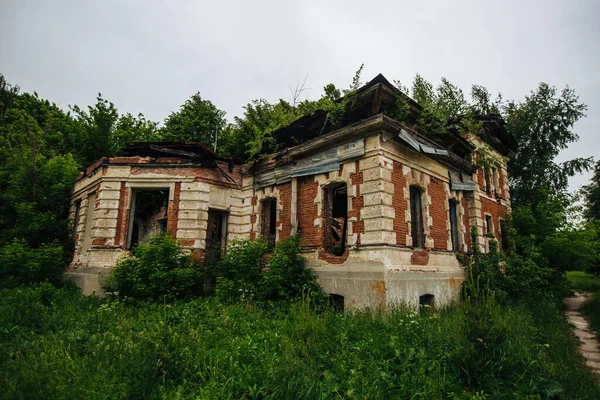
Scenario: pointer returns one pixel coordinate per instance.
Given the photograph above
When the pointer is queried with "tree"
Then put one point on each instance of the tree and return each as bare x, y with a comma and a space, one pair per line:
99, 124
542, 125
251, 134
197, 120
130, 128
36, 174
591, 194
105, 132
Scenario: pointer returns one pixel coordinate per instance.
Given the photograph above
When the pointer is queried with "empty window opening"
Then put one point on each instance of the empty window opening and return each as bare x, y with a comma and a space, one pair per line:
453, 225
269, 221
495, 180
426, 301
335, 218
216, 233
488, 185
89, 222
488, 225
503, 236
336, 302
149, 212
416, 217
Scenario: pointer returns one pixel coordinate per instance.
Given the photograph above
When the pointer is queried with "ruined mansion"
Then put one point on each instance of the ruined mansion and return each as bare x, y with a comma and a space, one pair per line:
382, 207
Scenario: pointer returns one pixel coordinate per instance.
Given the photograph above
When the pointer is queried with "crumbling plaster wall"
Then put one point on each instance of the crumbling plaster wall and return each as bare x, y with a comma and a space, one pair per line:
192, 191
379, 270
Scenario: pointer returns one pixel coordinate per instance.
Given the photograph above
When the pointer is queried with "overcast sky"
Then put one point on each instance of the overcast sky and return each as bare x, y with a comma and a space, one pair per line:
150, 56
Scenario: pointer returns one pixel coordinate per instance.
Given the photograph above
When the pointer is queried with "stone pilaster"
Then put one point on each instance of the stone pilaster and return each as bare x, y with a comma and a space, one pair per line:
193, 214
377, 190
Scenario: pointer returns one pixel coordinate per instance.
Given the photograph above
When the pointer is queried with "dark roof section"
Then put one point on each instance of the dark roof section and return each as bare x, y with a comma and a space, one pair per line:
303, 129
375, 97
196, 152
495, 134
381, 96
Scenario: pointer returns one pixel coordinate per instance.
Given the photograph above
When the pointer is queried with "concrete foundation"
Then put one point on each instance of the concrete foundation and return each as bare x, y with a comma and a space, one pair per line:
382, 277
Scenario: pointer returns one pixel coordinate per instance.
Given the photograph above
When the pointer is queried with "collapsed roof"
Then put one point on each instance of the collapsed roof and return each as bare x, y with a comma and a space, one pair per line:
380, 96
193, 151
306, 145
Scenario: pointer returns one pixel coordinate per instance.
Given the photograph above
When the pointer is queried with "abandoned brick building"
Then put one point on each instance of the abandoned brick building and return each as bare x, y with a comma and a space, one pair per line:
382, 208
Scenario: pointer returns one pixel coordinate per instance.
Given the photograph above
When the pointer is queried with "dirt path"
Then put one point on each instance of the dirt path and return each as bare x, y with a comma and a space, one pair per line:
590, 348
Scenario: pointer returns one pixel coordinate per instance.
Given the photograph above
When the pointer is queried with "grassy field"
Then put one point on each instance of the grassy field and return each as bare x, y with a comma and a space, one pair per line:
56, 344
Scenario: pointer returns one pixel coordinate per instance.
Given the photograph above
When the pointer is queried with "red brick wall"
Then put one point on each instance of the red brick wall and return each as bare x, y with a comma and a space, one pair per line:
122, 217
481, 180
285, 214
357, 204
496, 210
329, 258
437, 211
419, 257
467, 233
399, 204
173, 213
307, 212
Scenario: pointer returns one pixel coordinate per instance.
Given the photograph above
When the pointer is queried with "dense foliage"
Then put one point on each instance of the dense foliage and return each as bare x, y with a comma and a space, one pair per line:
22, 265
156, 269
592, 196
160, 269
280, 275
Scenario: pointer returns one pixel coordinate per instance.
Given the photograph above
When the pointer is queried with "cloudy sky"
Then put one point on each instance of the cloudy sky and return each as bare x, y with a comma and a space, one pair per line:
150, 56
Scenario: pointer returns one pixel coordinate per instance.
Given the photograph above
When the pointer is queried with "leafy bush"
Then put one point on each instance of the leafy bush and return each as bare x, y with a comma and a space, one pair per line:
286, 276
513, 277
247, 272
240, 270
156, 269
20, 264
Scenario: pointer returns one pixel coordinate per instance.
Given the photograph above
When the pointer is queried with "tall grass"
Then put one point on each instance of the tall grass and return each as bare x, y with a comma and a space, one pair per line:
592, 311
55, 343
583, 282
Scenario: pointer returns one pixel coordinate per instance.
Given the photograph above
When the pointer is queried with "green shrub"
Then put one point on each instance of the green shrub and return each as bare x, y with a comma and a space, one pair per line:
240, 270
514, 277
248, 273
286, 276
20, 264
156, 269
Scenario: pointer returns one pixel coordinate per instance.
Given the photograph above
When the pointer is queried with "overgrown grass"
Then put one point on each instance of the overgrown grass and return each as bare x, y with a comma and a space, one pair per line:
592, 311
55, 343
583, 282
589, 283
